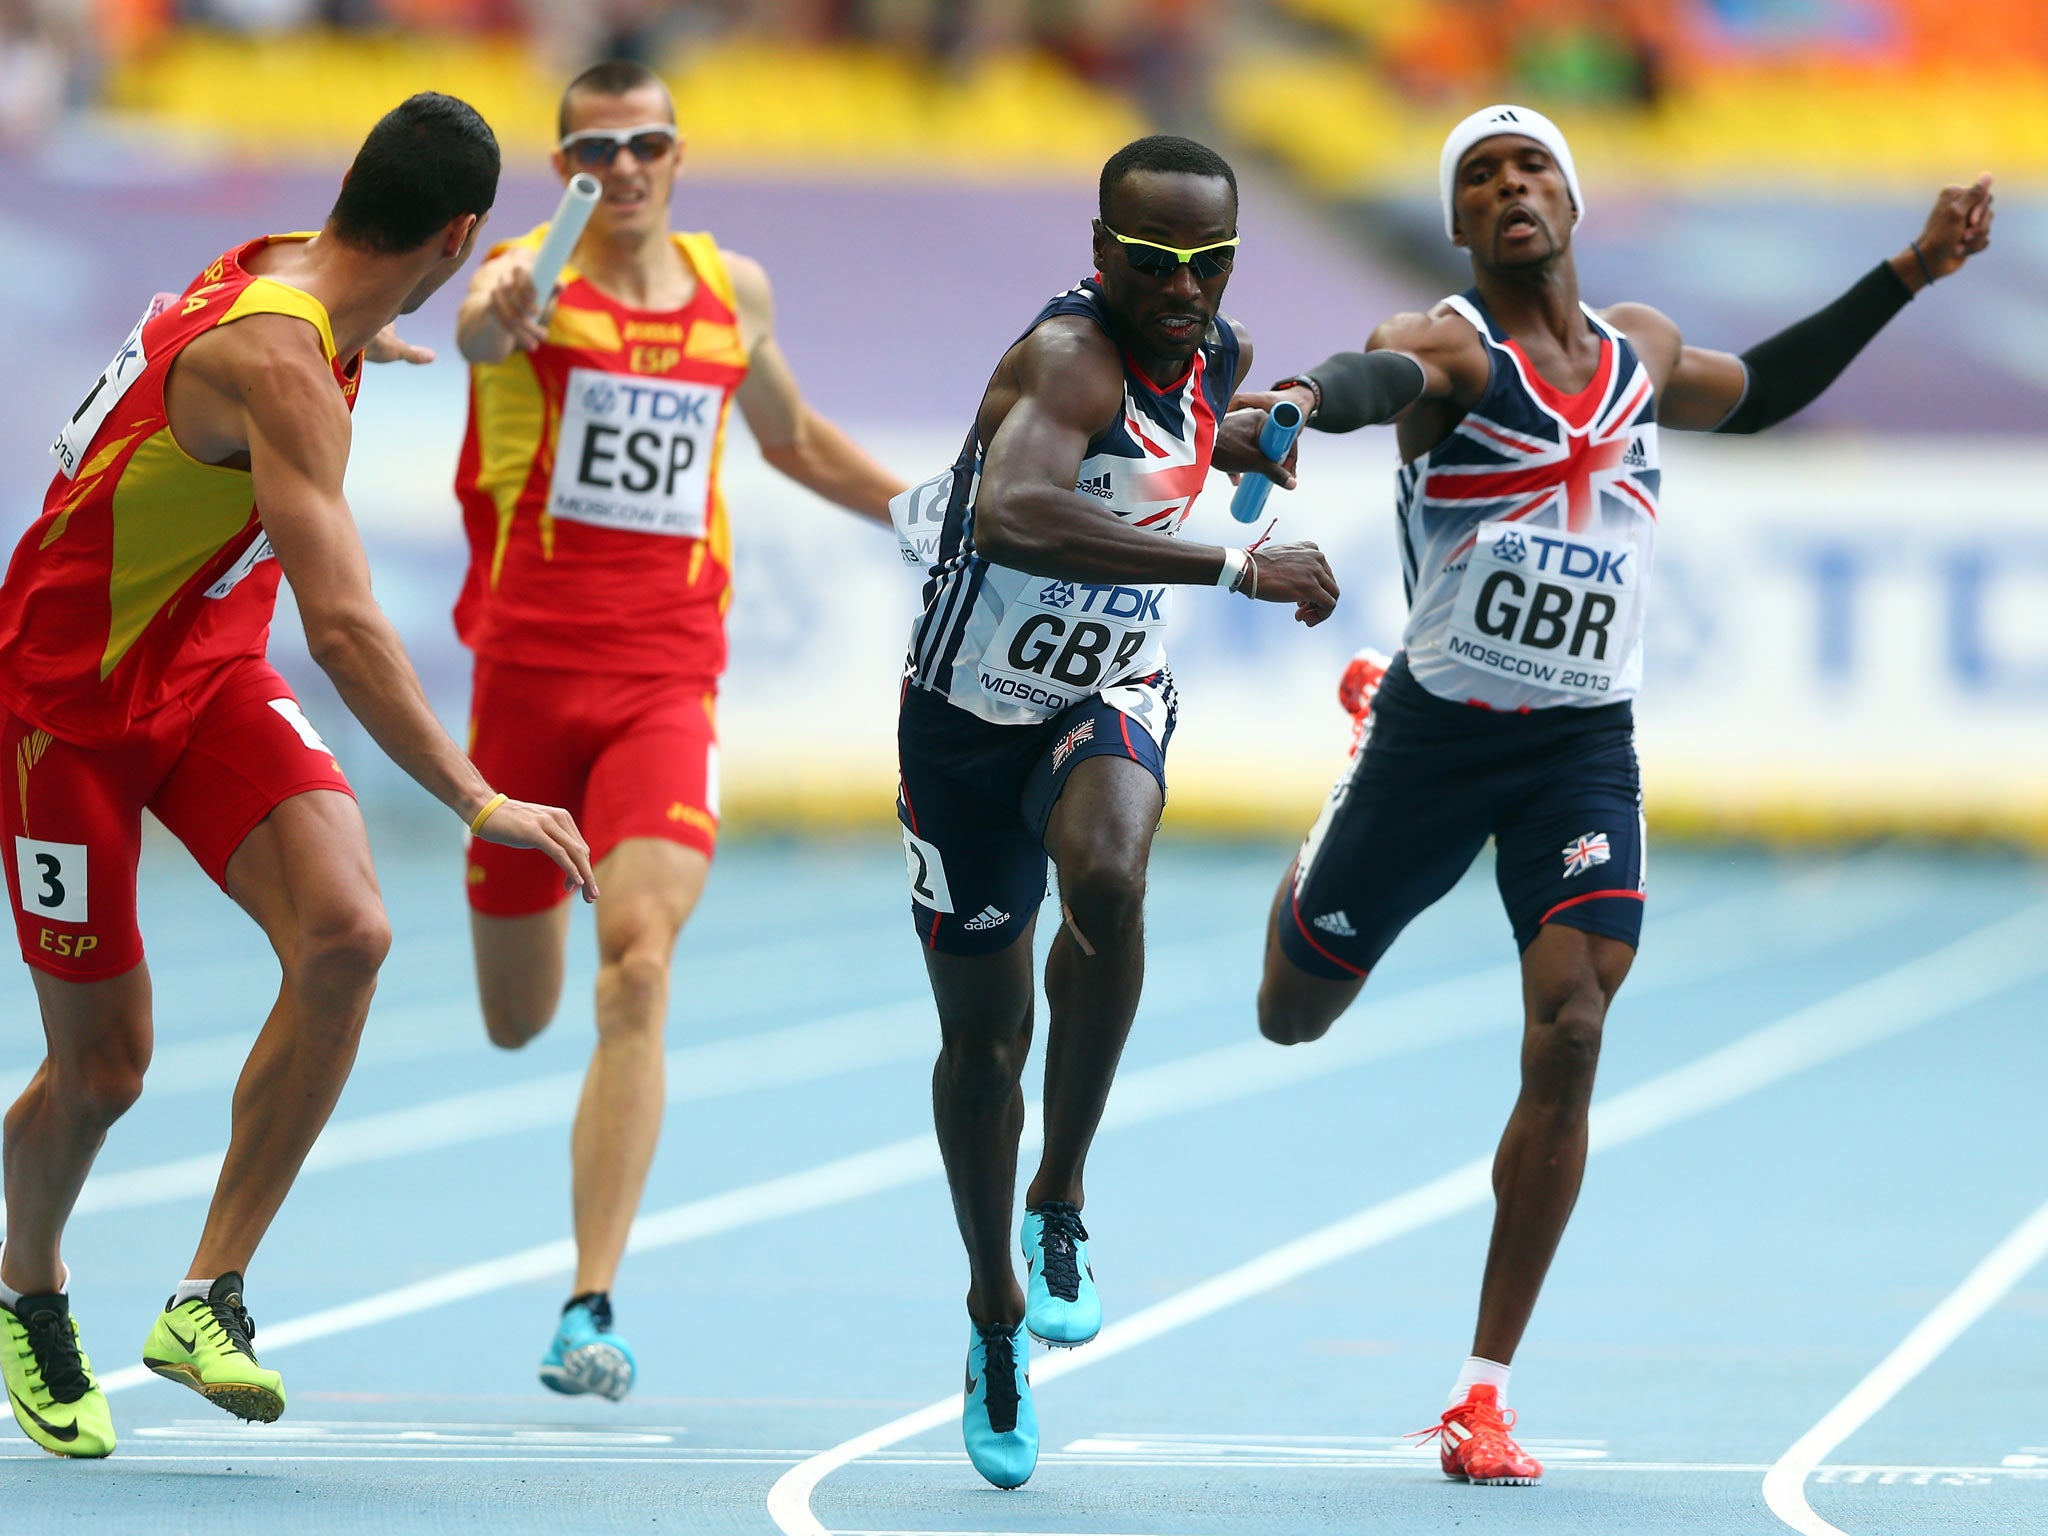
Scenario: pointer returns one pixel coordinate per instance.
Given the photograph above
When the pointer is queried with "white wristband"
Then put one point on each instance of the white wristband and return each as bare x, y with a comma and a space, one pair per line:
1234, 562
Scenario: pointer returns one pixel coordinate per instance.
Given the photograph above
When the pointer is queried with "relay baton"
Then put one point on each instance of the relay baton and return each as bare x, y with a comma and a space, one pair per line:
1283, 426
571, 215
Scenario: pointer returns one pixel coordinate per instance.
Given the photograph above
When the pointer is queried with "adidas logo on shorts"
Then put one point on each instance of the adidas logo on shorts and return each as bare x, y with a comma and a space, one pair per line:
1338, 924
990, 916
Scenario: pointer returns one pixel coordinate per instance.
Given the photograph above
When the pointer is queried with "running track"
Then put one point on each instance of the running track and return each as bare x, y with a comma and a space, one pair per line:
1807, 1255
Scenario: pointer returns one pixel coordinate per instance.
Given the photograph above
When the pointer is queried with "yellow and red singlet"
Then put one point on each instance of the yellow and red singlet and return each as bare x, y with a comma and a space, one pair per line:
589, 483
148, 572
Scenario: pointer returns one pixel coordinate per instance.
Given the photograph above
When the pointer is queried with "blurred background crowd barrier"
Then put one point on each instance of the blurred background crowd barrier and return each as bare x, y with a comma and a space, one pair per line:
1849, 633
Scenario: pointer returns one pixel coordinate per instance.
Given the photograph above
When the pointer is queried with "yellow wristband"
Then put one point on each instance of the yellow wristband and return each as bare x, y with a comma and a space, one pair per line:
484, 815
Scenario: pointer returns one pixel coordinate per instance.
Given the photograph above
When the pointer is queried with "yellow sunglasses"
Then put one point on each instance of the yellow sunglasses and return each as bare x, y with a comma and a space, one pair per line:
1156, 260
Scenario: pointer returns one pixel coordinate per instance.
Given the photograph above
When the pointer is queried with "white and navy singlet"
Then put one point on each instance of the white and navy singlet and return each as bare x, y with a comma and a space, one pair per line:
1527, 533
1017, 649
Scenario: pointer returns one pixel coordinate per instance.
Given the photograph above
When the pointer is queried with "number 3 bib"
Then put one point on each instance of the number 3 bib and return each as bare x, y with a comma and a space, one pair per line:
635, 453
1556, 609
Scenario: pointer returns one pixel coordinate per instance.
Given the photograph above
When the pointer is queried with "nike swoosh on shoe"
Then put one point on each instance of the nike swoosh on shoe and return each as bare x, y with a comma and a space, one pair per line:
67, 1434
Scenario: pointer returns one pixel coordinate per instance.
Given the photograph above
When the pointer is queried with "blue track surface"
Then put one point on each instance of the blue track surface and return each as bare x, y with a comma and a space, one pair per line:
1735, 1267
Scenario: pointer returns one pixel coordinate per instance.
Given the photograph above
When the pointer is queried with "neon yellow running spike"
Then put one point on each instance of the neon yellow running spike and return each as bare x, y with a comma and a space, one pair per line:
204, 1344
50, 1383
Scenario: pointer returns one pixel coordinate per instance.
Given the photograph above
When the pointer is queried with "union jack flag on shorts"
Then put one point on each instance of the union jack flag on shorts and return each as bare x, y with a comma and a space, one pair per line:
1582, 853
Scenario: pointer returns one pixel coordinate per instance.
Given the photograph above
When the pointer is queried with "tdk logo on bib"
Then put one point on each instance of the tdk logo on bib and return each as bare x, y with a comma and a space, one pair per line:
654, 403
1551, 607
1070, 638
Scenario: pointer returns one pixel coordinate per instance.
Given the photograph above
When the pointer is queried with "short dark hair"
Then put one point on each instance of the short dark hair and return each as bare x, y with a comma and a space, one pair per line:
612, 77
429, 160
1162, 152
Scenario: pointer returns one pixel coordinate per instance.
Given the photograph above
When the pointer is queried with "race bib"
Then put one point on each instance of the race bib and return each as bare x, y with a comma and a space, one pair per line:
635, 453
1063, 640
1554, 609
919, 515
258, 551
76, 434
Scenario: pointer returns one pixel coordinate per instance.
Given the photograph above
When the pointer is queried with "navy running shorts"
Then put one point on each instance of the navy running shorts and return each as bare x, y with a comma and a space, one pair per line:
1557, 789
974, 799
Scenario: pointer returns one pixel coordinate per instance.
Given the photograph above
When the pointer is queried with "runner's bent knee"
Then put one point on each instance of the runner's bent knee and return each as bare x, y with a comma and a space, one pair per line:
634, 981
103, 1079
342, 947
984, 1064
1292, 1020
1563, 1047
509, 1027
1103, 889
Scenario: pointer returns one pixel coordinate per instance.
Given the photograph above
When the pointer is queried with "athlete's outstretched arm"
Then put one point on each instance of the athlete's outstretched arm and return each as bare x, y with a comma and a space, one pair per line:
497, 313
298, 438
1066, 383
1347, 390
1708, 391
795, 439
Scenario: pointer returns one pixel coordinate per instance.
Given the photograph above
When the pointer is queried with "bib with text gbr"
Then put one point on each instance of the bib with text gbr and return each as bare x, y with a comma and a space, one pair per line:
1527, 533
1553, 609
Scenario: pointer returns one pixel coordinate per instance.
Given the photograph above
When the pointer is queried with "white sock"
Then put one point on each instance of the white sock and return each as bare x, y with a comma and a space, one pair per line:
1478, 1371
11, 1298
189, 1290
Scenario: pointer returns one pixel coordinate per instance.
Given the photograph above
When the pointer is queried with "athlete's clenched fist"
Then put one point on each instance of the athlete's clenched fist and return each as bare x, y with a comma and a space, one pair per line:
1292, 573
1958, 227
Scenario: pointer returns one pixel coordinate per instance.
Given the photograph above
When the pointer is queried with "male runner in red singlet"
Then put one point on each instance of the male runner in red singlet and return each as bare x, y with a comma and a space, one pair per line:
595, 603
1528, 500
203, 463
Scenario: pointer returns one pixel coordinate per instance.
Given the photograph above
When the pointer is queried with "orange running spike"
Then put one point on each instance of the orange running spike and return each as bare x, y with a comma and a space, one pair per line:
1473, 1440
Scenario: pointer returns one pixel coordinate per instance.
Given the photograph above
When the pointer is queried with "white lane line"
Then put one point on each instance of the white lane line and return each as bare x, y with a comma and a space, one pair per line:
407, 1032
774, 1058
1982, 1289
797, 1053
1965, 971
420, 1029
1702, 941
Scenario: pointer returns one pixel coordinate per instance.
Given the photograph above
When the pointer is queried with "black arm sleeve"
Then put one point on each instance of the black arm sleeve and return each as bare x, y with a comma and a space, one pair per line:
1361, 389
1788, 372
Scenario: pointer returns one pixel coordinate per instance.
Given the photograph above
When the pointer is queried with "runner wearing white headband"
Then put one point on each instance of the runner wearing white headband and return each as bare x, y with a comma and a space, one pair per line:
1528, 497
1493, 122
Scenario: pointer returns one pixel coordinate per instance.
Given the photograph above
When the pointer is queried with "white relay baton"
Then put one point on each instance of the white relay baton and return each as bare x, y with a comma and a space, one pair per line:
571, 215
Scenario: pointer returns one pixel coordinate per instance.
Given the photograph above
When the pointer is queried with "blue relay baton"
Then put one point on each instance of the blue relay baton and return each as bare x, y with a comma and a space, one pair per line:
1283, 426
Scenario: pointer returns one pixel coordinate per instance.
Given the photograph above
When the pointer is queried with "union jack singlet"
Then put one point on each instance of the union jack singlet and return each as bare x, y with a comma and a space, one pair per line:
1527, 533
1014, 648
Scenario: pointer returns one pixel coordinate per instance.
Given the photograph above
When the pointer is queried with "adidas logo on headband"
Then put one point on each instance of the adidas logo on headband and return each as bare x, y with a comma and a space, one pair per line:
1487, 122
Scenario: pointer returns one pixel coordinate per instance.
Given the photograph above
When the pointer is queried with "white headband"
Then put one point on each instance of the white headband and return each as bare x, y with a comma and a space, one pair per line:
1490, 122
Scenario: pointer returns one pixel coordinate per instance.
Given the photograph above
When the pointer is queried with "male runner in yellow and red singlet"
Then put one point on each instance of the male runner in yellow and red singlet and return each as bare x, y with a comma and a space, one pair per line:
204, 462
595, 603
